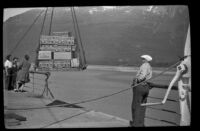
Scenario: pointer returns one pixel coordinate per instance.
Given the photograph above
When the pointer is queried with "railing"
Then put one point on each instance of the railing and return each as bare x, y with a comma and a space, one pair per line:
163, 115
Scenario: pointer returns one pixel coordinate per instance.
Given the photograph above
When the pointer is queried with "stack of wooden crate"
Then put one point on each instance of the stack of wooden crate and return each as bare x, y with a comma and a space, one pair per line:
58, 52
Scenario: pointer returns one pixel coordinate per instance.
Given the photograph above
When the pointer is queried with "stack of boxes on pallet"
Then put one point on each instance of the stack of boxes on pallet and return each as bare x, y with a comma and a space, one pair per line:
58, 52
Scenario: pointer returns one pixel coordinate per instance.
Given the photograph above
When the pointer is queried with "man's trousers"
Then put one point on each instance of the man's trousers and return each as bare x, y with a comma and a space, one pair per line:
140, 94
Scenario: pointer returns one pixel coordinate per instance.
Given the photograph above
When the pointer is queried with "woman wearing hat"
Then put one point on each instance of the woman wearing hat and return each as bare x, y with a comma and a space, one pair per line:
140, 92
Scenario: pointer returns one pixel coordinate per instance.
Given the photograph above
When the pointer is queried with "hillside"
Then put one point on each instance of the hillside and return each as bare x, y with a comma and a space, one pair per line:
111, 37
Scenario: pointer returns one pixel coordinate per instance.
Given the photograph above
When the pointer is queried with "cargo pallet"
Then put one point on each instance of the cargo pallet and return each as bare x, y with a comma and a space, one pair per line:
58, 52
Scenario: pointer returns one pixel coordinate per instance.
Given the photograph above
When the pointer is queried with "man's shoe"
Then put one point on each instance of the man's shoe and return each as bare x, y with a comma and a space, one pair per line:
131, 123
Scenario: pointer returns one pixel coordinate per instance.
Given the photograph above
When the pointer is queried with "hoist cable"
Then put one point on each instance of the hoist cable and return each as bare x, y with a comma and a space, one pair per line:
76, 36
80, 38
98, 98
78, 30
53, 123
173, 123
26, 32
50, 28
42, 29
37, 49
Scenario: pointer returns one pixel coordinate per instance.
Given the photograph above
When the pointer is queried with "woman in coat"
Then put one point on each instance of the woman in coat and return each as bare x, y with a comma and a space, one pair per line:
23, 74
14, 72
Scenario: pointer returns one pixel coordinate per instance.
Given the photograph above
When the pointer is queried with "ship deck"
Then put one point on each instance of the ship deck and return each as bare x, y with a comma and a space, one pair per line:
74, 86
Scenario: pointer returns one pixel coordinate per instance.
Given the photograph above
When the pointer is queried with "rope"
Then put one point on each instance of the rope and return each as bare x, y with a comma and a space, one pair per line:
98, 98
39, 38
164, 110
76, 34
53, 123
78, 30
37, 84
37, 78
26, 32
74, 23
79, 35
173, 123
51, 21
162, 99
34, 89
43, 22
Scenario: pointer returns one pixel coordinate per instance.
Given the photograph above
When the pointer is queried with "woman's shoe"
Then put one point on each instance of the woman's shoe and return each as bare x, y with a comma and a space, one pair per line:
16, 90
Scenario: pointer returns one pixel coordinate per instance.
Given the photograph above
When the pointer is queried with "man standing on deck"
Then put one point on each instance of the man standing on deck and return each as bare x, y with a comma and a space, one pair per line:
140, 92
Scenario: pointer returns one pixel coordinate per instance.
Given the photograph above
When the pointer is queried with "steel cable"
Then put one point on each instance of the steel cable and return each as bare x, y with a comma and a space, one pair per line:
76, 22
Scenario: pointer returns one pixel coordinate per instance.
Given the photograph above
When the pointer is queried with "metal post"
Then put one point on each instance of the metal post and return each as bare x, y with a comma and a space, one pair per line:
33, 82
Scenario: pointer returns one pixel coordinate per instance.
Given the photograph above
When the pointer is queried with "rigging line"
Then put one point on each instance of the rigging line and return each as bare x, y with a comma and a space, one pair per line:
37, 84
168, 99
37, 78
76, 34
37, 49
67, 118
51, 20
32, 87
53, 123
170, 111
173, 123
74, 23
94, 99
43, 21
79, 35
26, 32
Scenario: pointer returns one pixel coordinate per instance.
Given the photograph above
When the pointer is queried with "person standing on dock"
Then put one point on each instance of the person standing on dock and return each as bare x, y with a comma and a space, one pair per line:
23, 74
8, 68
14, 72
140, 92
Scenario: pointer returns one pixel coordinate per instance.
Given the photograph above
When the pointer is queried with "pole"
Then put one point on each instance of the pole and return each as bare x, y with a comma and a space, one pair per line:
184, 85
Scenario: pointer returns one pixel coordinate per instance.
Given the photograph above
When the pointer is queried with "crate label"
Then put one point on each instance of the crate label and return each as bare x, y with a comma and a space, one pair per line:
58, 40
44, 55
62, 55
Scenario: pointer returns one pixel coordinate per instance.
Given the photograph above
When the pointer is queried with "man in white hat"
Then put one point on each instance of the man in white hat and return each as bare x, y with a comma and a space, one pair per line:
145, 71
140, 92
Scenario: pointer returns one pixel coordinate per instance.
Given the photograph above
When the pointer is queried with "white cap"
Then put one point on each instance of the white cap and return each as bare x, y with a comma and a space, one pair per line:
147, 57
